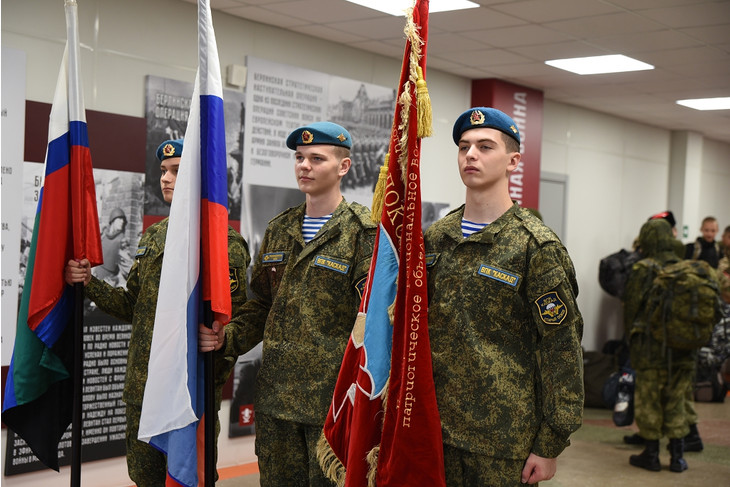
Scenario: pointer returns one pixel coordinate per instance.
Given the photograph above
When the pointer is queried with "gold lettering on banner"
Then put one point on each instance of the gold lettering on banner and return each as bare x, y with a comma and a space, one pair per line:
415, 289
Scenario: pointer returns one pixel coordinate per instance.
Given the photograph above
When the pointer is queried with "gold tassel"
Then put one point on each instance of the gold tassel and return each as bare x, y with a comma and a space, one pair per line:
423, 104
379, 193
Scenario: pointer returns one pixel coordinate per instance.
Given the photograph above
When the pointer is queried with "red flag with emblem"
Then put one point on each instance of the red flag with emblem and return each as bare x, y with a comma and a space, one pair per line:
383, 425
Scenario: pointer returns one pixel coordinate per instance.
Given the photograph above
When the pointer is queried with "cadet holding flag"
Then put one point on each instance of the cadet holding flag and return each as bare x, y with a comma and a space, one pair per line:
307, 282
137, 304
505, 328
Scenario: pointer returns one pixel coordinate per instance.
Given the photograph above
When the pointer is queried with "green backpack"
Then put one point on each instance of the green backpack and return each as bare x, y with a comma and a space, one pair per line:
683, 304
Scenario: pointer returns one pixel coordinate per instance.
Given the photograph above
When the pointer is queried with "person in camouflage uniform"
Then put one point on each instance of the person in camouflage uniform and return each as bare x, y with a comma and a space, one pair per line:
137, 304
693, 441
663, 377
504, 325
305, 300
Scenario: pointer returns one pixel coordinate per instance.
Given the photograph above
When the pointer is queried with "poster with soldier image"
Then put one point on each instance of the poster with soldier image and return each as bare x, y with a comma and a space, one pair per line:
166, 111
280, 98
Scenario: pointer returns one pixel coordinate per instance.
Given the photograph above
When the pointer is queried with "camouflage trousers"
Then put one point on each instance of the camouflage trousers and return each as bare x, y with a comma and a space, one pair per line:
287, 453
466, 469
660, 402
146, 465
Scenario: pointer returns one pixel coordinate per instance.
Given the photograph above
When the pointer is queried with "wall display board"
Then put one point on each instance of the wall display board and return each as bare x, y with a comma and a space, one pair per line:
167, 108
119, 185
280, 98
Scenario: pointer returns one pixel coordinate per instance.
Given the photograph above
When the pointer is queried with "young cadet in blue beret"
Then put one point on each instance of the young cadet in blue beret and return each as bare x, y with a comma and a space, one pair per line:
307, 283
504, 326
137, 302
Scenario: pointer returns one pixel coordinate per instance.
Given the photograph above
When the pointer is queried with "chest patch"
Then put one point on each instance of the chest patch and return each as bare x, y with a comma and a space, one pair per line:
498, 275
552, 309
140, 251
332, 264
273, 257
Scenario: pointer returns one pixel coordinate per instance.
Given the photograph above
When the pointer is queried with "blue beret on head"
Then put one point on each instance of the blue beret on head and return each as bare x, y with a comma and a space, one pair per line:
483, 117
170, 148
319, 133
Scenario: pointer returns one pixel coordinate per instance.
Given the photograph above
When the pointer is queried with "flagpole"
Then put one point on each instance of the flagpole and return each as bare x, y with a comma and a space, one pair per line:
78, 384
210, 412
75, 109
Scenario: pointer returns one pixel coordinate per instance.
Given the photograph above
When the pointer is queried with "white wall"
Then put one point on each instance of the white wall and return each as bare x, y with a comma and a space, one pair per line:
618, 175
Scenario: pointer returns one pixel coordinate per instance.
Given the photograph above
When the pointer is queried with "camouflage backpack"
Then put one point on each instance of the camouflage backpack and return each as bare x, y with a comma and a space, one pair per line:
683, 304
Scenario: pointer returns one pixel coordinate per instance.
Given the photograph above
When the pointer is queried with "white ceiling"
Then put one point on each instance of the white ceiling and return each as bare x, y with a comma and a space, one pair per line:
688, 42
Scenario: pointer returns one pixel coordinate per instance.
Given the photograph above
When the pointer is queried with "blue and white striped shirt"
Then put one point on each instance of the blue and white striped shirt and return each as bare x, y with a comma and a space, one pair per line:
311, 226
467, 227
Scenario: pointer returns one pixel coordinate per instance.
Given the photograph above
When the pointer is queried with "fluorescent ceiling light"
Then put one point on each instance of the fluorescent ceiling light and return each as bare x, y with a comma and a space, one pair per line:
399, 7
721, 103
613, 63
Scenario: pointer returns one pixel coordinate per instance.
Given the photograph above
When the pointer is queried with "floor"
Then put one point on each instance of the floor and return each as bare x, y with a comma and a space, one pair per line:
598, 457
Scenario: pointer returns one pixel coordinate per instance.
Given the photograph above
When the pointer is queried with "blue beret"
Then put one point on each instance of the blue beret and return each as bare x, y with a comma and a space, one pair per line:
170, 148
319, 133
483, 117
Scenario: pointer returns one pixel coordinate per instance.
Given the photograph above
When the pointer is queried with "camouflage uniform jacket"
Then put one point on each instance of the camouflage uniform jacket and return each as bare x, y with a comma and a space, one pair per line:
137, 302
305, 301
505, 336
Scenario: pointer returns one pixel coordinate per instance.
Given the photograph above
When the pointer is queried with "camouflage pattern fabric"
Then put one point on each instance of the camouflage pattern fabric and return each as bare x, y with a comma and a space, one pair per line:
656, 244
306, 298
663, 375
147, 466
285, 452
505, 336
137, 302
660, 402
466, 469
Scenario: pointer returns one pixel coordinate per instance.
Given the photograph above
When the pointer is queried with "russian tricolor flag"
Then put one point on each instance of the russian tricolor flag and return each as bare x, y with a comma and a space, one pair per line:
173, 403
39, 391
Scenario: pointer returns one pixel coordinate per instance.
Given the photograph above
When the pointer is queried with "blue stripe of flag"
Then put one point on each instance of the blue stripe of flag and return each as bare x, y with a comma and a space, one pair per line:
214, 184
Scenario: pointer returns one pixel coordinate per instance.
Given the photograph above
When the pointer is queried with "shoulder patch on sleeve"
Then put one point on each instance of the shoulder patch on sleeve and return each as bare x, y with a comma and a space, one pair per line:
360, 286
233, 278
552, 309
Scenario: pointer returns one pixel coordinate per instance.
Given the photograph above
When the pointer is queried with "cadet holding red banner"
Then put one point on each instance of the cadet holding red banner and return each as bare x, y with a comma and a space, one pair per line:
505, 328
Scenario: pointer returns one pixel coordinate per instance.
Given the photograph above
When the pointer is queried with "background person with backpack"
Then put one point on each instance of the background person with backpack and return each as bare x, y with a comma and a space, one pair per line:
661, 352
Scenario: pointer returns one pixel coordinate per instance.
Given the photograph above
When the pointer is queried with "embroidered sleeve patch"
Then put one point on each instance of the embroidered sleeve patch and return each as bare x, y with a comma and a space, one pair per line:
140, 251
360, 286
273, 257
498, 275
233, 278
431, 259
332, 264
552, 310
